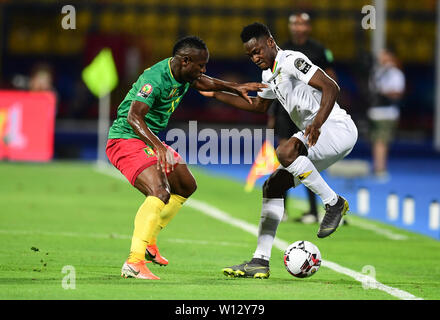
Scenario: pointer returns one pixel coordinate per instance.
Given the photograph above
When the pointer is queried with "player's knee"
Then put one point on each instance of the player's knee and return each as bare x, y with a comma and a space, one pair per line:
161, 192
286, 155
288, 152
189, 189
193, 188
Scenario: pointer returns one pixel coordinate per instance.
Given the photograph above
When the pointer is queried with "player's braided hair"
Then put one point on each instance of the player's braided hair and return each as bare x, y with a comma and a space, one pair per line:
189, 42
254, 30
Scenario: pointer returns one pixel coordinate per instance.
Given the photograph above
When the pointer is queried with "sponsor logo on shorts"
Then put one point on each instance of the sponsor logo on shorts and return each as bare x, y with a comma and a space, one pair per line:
302, 65
145, 91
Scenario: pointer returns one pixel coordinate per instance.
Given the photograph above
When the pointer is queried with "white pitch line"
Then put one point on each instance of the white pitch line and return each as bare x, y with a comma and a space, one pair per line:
119, 236
366, 281
66, 234
209, 243
371, 227
302, 204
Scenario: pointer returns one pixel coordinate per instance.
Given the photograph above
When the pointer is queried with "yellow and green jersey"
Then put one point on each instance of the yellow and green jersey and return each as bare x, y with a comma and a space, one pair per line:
160, 91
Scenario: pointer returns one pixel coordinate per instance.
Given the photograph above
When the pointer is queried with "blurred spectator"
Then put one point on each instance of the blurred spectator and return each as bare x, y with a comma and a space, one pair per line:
41, 78
300, 29
387, 86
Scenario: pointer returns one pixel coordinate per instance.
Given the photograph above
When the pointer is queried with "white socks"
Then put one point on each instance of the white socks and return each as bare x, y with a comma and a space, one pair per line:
272, 210
271, 214
305, 171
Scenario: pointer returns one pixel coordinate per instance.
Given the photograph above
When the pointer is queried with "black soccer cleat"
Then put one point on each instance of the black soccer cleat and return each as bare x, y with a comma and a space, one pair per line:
248, 269
332, 218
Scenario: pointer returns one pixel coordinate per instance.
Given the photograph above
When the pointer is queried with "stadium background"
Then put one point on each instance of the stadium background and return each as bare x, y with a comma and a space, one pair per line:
144, 32
141, 33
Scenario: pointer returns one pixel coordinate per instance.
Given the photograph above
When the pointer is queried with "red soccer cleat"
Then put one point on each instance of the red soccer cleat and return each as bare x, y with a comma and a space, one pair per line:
152, 253
137, 270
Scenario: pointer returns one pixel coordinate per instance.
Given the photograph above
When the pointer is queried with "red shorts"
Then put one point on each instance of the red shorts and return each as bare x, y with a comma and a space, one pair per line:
132, 156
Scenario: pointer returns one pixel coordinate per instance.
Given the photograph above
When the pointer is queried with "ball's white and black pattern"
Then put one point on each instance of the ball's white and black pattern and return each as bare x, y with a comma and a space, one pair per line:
302, 259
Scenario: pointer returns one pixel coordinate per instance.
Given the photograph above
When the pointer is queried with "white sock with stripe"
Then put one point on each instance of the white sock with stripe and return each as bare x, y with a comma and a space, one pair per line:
272, 212
305, 171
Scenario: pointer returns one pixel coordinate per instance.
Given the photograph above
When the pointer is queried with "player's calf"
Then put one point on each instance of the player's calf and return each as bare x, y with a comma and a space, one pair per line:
277, 184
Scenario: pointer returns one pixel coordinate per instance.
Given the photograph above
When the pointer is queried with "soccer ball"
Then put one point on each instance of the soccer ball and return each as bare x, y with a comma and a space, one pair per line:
302, 259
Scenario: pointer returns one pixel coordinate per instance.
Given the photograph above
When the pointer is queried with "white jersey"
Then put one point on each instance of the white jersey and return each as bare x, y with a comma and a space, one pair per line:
288, 82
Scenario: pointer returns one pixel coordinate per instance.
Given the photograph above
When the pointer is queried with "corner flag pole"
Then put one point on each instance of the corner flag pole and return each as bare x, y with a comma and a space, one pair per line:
378, 40
103, 126
101, 77
437, 83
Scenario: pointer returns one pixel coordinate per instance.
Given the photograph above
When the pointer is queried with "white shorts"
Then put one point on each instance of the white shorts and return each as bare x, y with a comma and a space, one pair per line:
337, 139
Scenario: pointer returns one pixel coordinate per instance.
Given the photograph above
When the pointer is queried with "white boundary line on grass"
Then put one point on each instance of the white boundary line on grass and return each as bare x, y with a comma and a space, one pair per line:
108, 170
302, 204
282, 245
384, 232
218, 214
117, 236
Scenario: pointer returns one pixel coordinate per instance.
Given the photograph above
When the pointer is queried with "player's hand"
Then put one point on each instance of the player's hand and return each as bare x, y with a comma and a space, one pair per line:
243, 89
312, 134
209, 94
164, 159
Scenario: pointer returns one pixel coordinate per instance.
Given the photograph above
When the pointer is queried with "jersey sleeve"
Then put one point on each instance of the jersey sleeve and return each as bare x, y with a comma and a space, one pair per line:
298, 65
267, 93
148, 91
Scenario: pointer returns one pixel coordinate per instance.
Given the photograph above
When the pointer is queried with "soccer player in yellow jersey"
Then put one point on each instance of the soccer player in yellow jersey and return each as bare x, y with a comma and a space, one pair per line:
151, 166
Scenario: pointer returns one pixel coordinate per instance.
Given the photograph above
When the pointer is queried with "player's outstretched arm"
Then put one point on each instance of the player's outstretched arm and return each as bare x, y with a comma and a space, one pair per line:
330, 91
258, 104
205, 83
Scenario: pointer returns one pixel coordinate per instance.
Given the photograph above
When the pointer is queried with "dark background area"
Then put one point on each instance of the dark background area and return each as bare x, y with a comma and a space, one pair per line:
140, 33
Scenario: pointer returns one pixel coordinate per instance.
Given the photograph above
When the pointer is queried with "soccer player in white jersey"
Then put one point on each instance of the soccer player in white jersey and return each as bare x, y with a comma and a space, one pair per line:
327, 135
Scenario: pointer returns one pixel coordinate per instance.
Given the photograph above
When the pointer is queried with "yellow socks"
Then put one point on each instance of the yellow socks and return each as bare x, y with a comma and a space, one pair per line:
145, 224
167, 214
152, 216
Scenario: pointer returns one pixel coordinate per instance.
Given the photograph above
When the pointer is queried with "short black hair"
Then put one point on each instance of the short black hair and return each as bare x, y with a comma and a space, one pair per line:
189, 42
254, 30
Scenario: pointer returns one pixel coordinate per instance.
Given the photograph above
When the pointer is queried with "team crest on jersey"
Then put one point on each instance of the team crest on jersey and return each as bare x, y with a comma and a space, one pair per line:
149, 152
279, 78
145, 91
302, 65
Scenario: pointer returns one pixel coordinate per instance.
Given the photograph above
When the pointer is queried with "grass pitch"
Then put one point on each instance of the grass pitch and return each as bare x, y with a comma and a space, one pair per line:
68, 214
